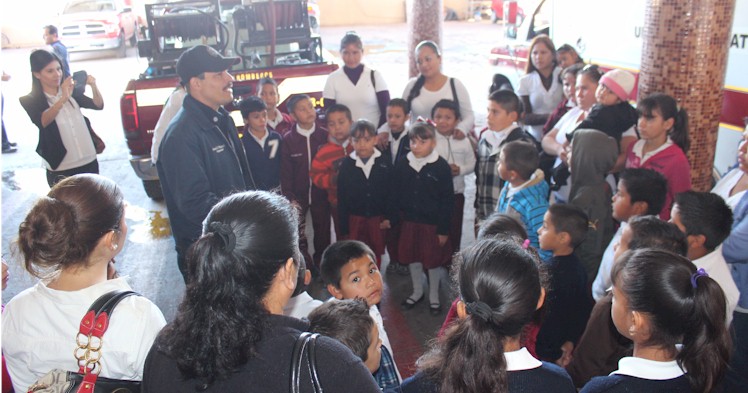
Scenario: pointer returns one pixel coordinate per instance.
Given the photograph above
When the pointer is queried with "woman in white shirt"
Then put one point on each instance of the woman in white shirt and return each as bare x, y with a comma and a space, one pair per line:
357, 86
733, 185
68, 239
65, 142
540, 88
430, 86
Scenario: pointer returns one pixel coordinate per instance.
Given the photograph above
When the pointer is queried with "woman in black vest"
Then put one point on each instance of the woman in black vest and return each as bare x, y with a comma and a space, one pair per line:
65, 139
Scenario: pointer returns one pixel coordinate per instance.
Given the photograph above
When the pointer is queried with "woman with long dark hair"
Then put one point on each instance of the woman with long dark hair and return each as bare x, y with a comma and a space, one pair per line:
67, 240
65, 142
230, 333
431, 85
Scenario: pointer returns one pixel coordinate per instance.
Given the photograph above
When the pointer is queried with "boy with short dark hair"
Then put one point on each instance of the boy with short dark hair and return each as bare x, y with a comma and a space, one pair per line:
526, 194
365, 195
601, 346
349, 270
399, 143
504, 109
300, 145
396, 149
640, 192
263, 146
706, 220
326, 163
267, 90
568, 303
349, 322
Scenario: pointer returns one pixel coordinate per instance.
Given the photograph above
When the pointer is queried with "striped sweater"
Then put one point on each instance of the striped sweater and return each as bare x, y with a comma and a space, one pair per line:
529, 204
325, 167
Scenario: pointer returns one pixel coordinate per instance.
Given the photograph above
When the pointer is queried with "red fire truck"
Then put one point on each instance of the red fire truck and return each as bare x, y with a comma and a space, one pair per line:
273, 39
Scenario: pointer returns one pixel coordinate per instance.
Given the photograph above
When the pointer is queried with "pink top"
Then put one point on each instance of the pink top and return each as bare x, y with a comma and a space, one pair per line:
671, 162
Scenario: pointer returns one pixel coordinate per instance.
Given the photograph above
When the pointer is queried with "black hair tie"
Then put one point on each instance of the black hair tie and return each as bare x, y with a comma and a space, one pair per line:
480, 310
226, 234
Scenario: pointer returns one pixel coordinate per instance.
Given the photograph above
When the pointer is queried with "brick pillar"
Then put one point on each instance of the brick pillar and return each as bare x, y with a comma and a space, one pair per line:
684, 54
424, 23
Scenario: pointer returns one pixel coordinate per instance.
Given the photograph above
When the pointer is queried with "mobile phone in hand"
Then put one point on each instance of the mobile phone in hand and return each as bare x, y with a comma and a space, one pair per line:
79, 77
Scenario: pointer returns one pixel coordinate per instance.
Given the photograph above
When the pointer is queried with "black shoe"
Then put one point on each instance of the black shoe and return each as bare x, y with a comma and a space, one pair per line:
403, 270
9, 149
435, 309
409, 303
12, 144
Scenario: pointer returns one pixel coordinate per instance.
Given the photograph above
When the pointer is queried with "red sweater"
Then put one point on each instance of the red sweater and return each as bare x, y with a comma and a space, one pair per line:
325, 168
671, 163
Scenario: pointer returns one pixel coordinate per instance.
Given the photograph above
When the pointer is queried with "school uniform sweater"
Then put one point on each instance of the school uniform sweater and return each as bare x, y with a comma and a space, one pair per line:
641, 376
282, 124
399, 145
296, 157
601, 346
671, 162
568, 306
524, 374
426, 196
264, 158
488, 184
325, 165
362, 195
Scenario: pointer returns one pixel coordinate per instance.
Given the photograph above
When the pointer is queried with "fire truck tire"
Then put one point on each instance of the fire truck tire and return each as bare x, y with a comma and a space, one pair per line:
122, 49
134, 39
153, 189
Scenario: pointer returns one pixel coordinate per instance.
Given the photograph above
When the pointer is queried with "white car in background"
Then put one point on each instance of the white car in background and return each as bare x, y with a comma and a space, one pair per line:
93, 25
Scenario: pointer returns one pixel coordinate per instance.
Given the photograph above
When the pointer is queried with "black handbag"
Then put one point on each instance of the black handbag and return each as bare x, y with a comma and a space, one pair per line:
306, 343
88, 354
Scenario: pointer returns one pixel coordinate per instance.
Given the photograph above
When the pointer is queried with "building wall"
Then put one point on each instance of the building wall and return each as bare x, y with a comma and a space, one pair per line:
372, 12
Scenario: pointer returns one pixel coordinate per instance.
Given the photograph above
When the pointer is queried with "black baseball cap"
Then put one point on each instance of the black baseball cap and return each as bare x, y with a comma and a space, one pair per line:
202, 58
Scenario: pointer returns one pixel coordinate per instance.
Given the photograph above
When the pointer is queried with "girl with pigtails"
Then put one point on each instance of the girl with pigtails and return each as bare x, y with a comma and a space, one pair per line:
500, 289
675, 316
663, 128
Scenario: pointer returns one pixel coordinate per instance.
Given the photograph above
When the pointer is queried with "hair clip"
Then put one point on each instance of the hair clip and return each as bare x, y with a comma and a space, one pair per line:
226, 234
526, 244
430, 122
480, 310
699, 273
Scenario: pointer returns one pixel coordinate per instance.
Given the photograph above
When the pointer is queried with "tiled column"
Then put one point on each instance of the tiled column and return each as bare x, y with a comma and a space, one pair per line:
684, 54
424, 23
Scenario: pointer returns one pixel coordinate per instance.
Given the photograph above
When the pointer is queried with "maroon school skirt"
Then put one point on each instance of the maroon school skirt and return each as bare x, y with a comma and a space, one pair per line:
419, 243
366, 229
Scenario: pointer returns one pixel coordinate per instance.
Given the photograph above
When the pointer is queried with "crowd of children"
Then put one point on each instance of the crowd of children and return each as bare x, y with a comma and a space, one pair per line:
594, 289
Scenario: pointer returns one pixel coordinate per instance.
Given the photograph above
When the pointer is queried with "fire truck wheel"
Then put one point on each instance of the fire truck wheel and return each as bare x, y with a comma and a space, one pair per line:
122, 49
134, 38
153, 189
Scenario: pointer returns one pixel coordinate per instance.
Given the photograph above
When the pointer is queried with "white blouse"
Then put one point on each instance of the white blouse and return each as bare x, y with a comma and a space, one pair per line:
541, 100
74, 134
39, 326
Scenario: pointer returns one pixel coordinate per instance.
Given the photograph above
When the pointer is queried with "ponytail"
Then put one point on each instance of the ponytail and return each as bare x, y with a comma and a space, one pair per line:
679, 133
416, 90
685, 306
499, 284
706, 341
669, 109
248, 239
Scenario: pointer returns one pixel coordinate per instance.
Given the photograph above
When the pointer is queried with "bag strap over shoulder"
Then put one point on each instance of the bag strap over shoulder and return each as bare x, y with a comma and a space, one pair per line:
305, 340
454, 91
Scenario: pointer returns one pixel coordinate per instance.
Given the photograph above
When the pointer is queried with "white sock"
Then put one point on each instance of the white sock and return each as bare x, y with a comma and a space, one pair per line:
416, 275
435, 276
